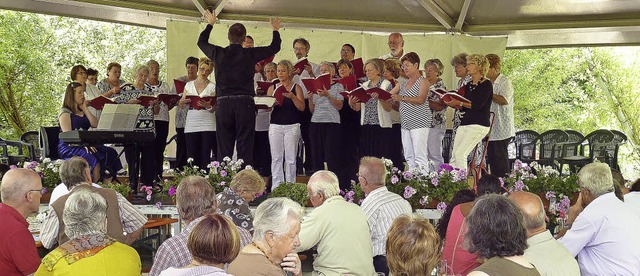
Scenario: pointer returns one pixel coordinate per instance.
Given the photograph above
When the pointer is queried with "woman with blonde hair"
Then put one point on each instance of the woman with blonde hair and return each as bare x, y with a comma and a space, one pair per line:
413, 246
474, 122
234, 200
200, 124
284, 130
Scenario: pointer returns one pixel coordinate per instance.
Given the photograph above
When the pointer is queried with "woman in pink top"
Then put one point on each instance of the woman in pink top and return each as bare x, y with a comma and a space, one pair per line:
458, 259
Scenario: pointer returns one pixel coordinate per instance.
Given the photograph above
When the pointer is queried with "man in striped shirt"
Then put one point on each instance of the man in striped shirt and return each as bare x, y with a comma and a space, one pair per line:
380, 206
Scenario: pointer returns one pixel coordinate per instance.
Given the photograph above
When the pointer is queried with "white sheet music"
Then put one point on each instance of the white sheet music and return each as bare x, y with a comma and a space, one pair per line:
119, 117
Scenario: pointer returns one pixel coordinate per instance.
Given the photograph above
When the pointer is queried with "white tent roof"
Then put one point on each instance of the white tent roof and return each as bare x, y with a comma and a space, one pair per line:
527, 23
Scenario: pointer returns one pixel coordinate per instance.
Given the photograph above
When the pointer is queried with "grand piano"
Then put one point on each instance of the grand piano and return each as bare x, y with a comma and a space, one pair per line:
125, 138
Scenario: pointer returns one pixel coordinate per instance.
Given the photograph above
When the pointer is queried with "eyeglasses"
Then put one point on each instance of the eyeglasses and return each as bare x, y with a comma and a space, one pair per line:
42, 191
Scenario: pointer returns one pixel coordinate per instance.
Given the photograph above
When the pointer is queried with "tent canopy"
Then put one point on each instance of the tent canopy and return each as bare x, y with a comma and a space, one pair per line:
526, 23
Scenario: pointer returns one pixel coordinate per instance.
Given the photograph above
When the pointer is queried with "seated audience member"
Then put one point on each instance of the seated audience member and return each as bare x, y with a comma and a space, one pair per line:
21, 191
601, 228
412, 246
618, 183
234, 200
72, 172
454, 254
74, 115
337, 228
496, 233
632, 199
273, 250
125, 218
380, 206
461, 196
544, 251
213, 242
195, 199
89, 250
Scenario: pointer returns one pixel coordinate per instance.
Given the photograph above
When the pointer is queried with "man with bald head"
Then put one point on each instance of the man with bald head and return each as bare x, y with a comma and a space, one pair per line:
544, 252
21, 190
396, 45
338, 228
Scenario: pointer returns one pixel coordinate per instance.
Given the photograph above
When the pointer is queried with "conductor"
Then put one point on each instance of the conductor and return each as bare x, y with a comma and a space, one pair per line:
234, 71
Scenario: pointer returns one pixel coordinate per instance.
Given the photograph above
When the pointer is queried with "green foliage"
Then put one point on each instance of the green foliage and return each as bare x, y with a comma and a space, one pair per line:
39, 51
295, 191
122, 189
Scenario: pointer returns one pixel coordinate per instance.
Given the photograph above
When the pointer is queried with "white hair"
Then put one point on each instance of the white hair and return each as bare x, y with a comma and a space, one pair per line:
273, 214
325, 182
596, 177
84, 213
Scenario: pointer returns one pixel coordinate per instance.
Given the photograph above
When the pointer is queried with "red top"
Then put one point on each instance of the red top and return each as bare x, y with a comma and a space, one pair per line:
457, 258
18, 254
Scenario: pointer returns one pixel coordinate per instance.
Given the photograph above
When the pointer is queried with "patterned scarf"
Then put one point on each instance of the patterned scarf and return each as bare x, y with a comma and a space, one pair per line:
77, 249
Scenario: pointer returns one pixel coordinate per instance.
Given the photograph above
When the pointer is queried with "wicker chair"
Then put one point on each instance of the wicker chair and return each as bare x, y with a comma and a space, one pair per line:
548, 153
597, 143
524, 148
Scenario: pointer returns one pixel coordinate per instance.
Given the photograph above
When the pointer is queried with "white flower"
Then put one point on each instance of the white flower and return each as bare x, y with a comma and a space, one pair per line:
248, 166
206, 176
226, 159
189, 160
240, 161
46, 160
387, 162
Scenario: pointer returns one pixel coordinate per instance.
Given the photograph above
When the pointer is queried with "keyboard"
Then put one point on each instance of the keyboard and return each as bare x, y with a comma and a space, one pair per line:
105, 137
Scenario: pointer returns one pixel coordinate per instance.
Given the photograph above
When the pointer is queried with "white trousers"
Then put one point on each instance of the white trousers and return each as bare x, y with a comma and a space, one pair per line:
283, 140
467, 137
414, 144
434, 147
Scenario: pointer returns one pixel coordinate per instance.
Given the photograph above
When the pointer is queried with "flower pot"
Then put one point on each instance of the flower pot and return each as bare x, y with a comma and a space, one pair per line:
45, 197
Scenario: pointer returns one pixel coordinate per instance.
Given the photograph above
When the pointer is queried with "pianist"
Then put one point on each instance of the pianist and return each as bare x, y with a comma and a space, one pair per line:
73, 117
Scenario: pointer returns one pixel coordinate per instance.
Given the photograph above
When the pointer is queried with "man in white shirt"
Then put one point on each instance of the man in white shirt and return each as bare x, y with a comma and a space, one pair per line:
396, 45
503, 128
544, 252
380, 206
338, 228
602, 230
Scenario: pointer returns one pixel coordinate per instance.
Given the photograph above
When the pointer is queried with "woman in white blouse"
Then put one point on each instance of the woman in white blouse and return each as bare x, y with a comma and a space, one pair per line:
200, 126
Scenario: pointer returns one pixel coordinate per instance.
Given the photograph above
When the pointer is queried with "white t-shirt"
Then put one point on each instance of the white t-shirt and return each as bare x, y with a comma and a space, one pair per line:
61, 190
200, 120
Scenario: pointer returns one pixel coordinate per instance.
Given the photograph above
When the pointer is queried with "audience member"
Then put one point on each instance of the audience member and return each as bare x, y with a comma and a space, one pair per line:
497, 234
503, 128
601, 228
618, 183
124, 223
454, 254
273, 250
632, 199
21, 190
544, 252
245, 186
337, 228
181, 112
380, 206
89, 250
195, 199
72, 172
235, 70
412, 246
461, 196
213, 243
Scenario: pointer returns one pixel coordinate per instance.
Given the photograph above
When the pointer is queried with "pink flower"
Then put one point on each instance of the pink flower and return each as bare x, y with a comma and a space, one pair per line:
407, 175
215, 164
501, 181
441, 206
446, 167
519, 185
434, 181
550, 194
409, 192
394, 179
159, 205
148, 197
223, 173
172, 191
222, 183
13, 167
